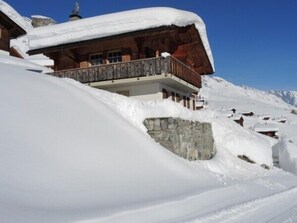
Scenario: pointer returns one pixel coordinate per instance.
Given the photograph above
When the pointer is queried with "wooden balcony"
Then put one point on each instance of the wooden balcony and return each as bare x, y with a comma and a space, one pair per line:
132, 69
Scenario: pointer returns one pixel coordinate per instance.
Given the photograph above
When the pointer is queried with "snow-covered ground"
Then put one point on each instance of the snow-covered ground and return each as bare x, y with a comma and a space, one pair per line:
71, 153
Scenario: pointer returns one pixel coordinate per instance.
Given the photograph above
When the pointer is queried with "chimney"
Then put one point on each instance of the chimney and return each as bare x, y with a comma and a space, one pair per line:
75, 16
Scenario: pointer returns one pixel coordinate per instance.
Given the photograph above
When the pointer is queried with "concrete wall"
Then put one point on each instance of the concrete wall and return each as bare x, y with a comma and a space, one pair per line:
150, 91
140, 91
190, 140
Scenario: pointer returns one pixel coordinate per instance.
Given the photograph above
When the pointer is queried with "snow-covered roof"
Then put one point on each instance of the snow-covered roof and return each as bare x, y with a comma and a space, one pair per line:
14, 16
236, 117
264, 116
27, 65
20, 44
199, 103
40, 17
226, 113
115, 24
265, 128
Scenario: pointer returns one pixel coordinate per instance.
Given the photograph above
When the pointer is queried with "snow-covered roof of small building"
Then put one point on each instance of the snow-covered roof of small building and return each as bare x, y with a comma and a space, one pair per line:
265, 128
264, 117
226, 113
199, 103
14, 16
115, 24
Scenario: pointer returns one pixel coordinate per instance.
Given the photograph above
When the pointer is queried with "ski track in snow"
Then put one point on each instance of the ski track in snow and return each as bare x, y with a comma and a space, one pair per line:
243, 212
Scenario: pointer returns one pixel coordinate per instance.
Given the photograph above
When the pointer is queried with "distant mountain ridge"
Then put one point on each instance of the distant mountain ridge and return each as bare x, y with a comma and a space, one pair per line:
289, 97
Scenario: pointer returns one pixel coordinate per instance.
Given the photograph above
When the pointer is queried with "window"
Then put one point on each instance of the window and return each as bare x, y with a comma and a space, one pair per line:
188, 102
165, 93
173, 96
115, 57
96, 59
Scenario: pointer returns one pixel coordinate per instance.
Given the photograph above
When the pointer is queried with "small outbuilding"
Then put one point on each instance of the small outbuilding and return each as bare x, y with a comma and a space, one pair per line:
282, 120
233, 110
265, 117
200, 104
250, 113
268, 130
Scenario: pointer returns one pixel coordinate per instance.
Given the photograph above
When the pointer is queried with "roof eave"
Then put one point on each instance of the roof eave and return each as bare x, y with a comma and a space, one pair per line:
16, 30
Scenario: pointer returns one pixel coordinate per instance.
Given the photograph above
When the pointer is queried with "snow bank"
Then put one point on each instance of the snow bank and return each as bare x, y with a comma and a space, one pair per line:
14, 15
287, 154
227, 134
71, 153
239, 141
114, 24
62, 149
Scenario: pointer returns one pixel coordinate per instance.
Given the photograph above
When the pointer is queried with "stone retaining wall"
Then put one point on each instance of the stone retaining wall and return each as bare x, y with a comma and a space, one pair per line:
188, 139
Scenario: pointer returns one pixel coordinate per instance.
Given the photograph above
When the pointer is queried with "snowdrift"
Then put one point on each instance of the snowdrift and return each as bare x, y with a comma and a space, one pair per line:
70, 153
62, 149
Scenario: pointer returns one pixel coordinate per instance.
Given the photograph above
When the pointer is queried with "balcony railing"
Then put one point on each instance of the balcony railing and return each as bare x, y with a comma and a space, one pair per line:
134, 68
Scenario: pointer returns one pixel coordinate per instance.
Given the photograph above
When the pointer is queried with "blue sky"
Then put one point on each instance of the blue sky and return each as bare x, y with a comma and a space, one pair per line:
254, 42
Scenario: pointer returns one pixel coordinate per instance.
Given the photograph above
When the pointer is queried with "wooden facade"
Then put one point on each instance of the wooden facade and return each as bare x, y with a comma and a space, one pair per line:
133, 54
8, 29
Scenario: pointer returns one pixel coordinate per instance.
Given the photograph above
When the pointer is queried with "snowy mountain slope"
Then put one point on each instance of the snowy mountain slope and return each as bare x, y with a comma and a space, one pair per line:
289, 97
222, 96
70, 153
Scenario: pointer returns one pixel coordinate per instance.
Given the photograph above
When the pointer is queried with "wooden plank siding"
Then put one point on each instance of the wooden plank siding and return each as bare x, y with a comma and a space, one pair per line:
134, 68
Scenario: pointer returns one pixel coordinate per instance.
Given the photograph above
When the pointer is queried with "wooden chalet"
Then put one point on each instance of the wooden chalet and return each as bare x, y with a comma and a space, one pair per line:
159, 61
282, 120
8, 29
266, 129
248, 114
